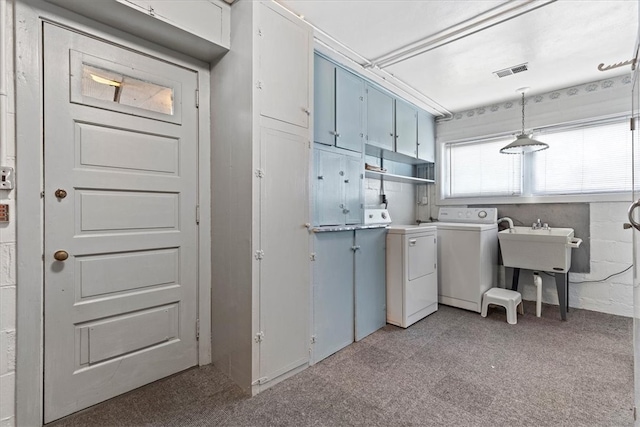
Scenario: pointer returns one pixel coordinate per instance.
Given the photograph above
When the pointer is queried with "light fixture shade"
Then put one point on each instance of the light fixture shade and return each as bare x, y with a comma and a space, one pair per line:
524, 144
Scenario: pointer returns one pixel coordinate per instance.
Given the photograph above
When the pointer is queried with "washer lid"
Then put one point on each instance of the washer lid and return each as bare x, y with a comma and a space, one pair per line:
461, 226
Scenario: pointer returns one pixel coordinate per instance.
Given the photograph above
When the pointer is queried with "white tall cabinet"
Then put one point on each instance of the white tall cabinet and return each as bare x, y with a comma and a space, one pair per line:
261, 131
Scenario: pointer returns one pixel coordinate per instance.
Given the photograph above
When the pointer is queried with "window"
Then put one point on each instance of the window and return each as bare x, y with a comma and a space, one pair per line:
478, 169
586, 160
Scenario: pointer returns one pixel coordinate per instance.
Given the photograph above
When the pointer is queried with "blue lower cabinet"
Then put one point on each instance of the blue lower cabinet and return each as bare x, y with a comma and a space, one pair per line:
332, 293
349, 288
370, 281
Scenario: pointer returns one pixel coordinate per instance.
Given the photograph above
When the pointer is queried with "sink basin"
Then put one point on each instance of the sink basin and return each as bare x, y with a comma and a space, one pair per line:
541, 250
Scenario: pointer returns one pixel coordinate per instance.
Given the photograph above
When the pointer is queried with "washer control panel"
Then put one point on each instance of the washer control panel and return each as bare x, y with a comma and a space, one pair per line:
470, 215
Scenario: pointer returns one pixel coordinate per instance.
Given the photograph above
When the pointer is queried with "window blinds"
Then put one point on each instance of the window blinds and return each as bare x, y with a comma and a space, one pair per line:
596, 159
478, 169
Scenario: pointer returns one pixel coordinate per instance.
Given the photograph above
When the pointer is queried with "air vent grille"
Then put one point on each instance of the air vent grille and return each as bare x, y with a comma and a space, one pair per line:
512, 70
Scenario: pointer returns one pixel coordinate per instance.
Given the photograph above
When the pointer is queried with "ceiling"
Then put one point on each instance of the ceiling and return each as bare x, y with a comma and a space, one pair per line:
447, 50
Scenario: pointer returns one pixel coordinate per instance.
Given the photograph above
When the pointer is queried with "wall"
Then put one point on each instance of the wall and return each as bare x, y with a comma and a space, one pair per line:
7, 231
401, 198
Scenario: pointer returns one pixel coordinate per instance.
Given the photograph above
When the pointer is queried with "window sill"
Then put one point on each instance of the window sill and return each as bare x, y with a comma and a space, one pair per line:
561, 198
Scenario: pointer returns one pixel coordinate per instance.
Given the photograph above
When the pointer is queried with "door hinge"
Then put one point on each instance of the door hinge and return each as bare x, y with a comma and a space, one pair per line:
259, 254
260, 381
197, 329
312, 257
259, 173
632, 124
197, 214
42, 194
260, 32
259, 337
313, 339
634, 414
259, 84
197, 98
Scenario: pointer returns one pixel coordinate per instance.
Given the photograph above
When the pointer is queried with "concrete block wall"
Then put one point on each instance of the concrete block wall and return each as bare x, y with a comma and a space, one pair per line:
8, 236
401, 198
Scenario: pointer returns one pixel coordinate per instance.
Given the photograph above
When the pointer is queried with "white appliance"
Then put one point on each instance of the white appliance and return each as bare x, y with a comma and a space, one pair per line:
412, 280
467, 255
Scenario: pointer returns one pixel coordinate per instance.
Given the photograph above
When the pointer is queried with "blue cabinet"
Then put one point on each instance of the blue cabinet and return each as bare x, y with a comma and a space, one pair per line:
333, 298
349, 292
370, 273
338, 106
380, 132
338, 188
406, 129
324, 101
426, 137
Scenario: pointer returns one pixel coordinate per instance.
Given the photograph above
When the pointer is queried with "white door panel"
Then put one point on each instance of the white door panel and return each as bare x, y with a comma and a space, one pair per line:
121, 140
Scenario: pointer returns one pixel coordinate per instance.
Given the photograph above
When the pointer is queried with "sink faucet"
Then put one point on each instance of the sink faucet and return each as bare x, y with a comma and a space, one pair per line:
540, 226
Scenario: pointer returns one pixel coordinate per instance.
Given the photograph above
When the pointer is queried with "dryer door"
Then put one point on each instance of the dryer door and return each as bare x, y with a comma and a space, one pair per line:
420, 250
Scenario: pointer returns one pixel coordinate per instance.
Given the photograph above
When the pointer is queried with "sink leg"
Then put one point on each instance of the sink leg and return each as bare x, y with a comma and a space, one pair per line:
561, 286
516, 278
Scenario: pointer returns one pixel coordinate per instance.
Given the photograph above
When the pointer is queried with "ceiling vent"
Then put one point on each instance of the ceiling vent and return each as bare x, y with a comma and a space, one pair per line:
512, 70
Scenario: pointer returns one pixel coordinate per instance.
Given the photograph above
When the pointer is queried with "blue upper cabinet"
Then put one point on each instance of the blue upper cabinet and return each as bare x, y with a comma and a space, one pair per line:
349, 106
426, 137
380, 130
406, 129
324, 100
338, 106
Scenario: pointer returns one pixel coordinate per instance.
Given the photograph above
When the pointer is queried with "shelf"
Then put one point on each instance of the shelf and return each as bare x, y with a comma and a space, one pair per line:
382, 153
398, 178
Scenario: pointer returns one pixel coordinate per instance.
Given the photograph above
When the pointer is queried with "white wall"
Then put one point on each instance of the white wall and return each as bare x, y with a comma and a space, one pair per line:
401, 198
7, 237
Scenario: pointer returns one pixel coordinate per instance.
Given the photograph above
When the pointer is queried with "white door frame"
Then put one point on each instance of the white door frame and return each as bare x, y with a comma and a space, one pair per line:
29, 16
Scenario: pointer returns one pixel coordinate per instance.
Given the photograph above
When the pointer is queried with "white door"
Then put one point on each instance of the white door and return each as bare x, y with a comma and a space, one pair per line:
284, 240
120, 151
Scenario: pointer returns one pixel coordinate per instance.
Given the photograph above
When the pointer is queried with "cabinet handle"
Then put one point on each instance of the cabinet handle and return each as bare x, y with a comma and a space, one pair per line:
346, 180
320, 177
355, 248
341, 205
391, 134
307, 111
412, 242
335, 133
345, 211
341, 173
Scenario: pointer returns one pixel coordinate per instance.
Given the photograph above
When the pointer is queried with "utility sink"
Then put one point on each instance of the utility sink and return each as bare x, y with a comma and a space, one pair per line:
544, 249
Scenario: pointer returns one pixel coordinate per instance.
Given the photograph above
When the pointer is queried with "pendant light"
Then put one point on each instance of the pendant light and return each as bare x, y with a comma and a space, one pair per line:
523, 143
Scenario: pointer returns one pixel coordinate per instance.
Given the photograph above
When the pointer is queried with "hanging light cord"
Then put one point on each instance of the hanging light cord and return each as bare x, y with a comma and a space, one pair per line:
523, 113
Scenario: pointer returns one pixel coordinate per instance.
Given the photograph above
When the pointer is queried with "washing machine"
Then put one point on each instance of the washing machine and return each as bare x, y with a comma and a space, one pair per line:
467, 255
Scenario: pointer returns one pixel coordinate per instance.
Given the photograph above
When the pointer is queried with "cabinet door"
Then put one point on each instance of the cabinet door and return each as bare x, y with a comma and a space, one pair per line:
406, 129
329, 198
370, 281
379, 119
284, 68
332, 293
353, 182
349, 106
324, 101
426, 137
285, 269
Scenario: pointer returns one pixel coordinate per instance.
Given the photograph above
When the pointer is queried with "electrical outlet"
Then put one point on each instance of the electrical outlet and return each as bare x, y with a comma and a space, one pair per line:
6, 178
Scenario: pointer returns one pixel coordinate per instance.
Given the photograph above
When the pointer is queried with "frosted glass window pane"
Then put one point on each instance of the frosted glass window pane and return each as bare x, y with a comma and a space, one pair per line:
479, 169
588, 160
111, 86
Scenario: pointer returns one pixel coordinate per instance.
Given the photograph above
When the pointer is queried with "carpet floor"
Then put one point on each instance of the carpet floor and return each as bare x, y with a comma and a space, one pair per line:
453, 368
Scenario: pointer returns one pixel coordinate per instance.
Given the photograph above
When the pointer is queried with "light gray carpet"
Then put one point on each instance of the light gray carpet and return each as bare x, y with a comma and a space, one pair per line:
453, 368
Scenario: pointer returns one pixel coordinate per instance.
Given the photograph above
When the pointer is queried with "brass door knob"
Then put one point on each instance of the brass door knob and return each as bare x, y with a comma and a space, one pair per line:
60, 193
61, 255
